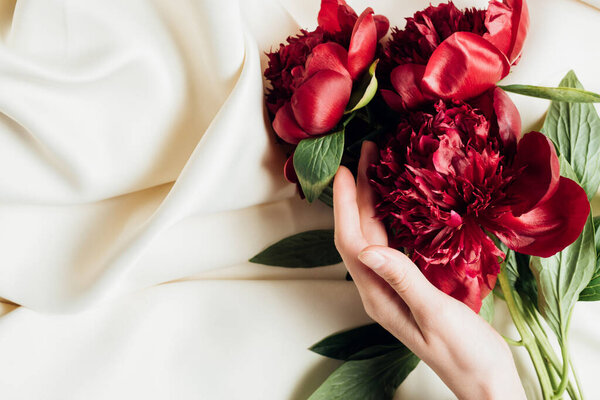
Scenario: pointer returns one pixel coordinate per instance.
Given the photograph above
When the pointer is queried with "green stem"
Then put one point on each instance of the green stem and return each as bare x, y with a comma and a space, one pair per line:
513, 342
526, 337
576, 380
564, 350
547, 350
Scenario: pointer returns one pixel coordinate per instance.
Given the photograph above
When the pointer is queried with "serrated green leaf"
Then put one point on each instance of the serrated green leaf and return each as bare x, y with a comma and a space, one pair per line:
370, 379
364, 91
316, 160
345, 344
592, 290
561, 278
575, 129
487, 308
304, 250
561, 93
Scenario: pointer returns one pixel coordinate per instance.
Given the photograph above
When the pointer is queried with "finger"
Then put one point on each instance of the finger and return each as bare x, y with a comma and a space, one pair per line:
371, 226
348, 235
380, 300
405, 278
345, 211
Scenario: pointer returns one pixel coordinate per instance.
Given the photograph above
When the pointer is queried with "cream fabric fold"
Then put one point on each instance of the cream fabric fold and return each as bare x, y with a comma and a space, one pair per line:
139, 175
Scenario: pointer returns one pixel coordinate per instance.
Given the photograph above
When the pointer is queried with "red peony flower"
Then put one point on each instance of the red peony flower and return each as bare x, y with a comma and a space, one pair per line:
451, 177
312, 75
454, 55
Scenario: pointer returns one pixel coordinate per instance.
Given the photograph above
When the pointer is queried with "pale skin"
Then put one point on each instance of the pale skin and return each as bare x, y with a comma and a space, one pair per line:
470, 357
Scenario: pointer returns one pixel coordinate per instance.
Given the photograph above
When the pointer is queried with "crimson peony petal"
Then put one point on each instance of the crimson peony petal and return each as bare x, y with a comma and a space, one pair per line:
329, 14
551, 226
538, 173
457, 284
330, 56
288, 170
392, 100
508, 119
471, 274
362, 44
497, 107
319, 103
464, 66
406, 80
507, 23
382, 24
286, 127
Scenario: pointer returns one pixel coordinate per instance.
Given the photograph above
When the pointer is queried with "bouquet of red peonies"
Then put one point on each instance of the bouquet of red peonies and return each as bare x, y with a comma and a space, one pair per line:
481, 208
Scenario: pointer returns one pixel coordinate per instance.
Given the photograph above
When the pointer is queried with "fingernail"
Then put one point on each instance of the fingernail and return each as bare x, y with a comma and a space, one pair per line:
371, 259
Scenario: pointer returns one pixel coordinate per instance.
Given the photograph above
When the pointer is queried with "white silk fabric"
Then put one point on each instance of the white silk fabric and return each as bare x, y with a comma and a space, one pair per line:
138, 173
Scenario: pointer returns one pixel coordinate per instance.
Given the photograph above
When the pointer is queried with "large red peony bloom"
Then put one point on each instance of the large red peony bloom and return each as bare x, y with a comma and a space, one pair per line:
450, 177
312, 75
447, 53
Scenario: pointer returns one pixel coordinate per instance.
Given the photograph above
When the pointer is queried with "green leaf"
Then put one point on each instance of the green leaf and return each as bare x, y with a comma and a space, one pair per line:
487, 308
304, 250
316, 160
364, 91
345, 344
575, 129
592, 290
370, 379
566, 94
561, 278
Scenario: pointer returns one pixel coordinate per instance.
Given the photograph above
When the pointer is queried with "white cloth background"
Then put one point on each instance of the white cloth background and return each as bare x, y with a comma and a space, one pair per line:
139, 173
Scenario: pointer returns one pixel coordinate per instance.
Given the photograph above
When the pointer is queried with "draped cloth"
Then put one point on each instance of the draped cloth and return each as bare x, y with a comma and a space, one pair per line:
139, 173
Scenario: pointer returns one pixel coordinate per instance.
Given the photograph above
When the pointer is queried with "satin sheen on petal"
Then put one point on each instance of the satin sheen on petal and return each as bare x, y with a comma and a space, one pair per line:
549, 227
539, 172
362, 44
507, 23
319, 103
382, 24
331, 56
464, 66
406, 79
286, 127
508, 118
328, 17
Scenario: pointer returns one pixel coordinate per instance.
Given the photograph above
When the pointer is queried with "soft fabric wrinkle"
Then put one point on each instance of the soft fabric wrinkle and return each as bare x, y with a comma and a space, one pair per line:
188, 108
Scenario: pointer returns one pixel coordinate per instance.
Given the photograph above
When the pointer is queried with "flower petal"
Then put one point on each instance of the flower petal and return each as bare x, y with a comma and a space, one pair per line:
471, 274
538, 173
406, 79
549, 227
382, 24
286, 127
508, 119
319, 103
288, 170
466, 289
328, 55
362, 44
464, 66
498, 108
507, 23
392, 100
329, 14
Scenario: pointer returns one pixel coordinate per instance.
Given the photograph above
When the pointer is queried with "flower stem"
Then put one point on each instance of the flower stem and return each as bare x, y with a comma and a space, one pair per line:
565, 370
527, 338
576, 381
547, 350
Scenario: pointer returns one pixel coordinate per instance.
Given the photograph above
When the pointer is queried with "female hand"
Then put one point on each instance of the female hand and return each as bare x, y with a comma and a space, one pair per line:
461, 347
